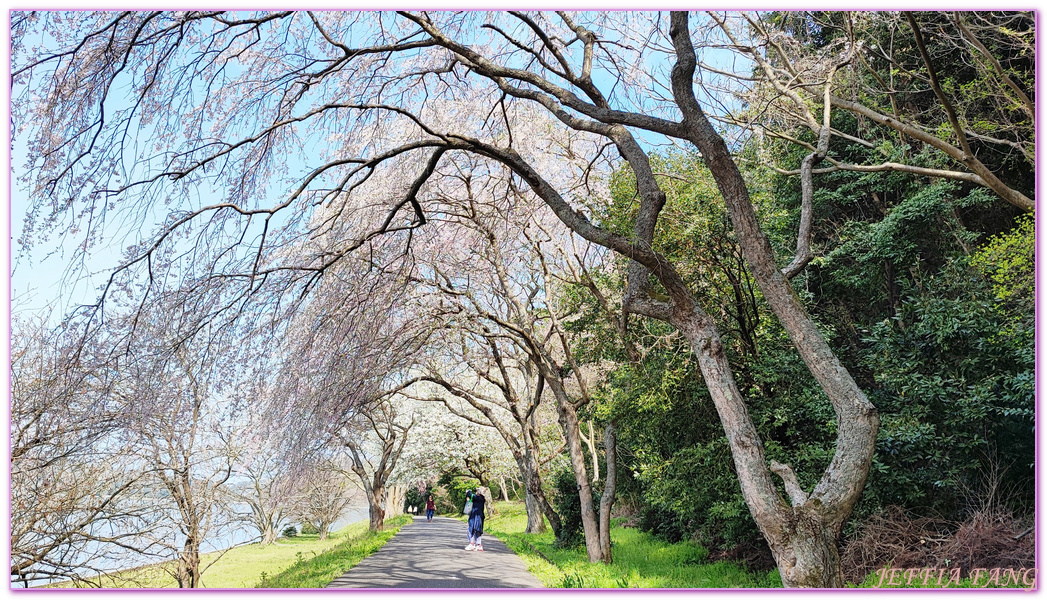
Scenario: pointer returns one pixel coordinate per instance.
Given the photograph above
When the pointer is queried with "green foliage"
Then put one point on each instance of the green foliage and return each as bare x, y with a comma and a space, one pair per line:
442, 499
945, 351
955, 389
569, 506
1009, 261
695, 234
457, 486
291, 531
414, 497
309, 529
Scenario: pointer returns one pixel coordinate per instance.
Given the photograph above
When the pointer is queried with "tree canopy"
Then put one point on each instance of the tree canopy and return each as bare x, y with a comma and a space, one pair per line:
782, 260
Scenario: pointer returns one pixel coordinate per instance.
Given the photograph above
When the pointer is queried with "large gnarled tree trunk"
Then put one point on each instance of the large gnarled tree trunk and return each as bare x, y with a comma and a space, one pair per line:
802, 536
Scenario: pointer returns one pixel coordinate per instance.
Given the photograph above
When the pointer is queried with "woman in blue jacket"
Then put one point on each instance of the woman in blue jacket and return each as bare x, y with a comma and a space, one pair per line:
476, 521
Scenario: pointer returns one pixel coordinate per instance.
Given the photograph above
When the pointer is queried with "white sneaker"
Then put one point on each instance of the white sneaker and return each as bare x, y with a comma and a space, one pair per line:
470, 547
479, 548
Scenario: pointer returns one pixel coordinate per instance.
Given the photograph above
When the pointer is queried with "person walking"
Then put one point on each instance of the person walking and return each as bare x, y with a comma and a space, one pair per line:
430, 508
476, 522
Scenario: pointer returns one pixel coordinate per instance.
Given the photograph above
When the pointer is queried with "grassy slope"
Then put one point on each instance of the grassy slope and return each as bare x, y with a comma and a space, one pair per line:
282, 562
640, 560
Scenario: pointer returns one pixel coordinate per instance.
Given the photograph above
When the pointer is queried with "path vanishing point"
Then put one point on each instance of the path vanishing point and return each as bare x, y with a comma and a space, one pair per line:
432, 555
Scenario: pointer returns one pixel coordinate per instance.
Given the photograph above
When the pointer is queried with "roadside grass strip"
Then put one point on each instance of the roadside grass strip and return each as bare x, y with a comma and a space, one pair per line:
318, 571
640, 559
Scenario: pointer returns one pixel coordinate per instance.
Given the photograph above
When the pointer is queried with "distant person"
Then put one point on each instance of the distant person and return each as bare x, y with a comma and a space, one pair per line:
476, 522
430, 509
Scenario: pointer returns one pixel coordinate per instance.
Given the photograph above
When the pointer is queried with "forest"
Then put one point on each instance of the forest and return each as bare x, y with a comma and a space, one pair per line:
763, 281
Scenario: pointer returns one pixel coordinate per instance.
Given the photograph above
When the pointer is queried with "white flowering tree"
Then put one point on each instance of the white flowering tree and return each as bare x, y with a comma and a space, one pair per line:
442, 442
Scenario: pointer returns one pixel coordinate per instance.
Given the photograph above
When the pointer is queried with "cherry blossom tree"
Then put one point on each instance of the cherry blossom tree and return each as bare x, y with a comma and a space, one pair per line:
326, 493
268, 487
442, 442
188, 446
374, 439
75, 505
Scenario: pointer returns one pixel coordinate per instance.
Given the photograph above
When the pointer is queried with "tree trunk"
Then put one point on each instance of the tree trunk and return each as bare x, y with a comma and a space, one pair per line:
394, 506
268, 535
375, 510
807, 556
802, 537
534, 498
569, 422
610, 441
188, 573
535, 520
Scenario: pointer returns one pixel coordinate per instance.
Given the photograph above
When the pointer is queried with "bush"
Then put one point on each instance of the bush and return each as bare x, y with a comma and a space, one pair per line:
290, 531
955, 390
456, 489
569, 506
900, 538
309, 529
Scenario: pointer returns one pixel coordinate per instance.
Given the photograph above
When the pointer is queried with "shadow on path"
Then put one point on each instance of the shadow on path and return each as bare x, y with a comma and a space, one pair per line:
432, 555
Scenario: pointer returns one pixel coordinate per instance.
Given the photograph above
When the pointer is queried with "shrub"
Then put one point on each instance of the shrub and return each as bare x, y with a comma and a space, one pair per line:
309, 529
569, 506
456, 489
901, 539
290, 531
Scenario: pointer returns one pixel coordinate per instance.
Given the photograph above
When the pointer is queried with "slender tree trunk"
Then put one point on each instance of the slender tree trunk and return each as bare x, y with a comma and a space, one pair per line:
610, 441
569, 422
188, 573
590, 442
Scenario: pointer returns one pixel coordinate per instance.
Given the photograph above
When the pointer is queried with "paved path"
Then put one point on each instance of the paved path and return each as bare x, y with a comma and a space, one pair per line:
432, 555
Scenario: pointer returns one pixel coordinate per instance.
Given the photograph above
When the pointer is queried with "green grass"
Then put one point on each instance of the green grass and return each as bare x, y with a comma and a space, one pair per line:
640, 560
318, 571
284, 563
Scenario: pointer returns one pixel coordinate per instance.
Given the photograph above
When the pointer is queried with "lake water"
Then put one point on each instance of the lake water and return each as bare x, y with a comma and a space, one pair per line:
236, 537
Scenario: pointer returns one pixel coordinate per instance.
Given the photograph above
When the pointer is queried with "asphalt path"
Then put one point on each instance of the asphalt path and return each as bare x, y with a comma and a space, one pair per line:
433, 555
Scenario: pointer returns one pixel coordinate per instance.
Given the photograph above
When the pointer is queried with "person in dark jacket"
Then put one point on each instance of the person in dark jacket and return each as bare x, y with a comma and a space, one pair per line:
430, 509
476, 522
